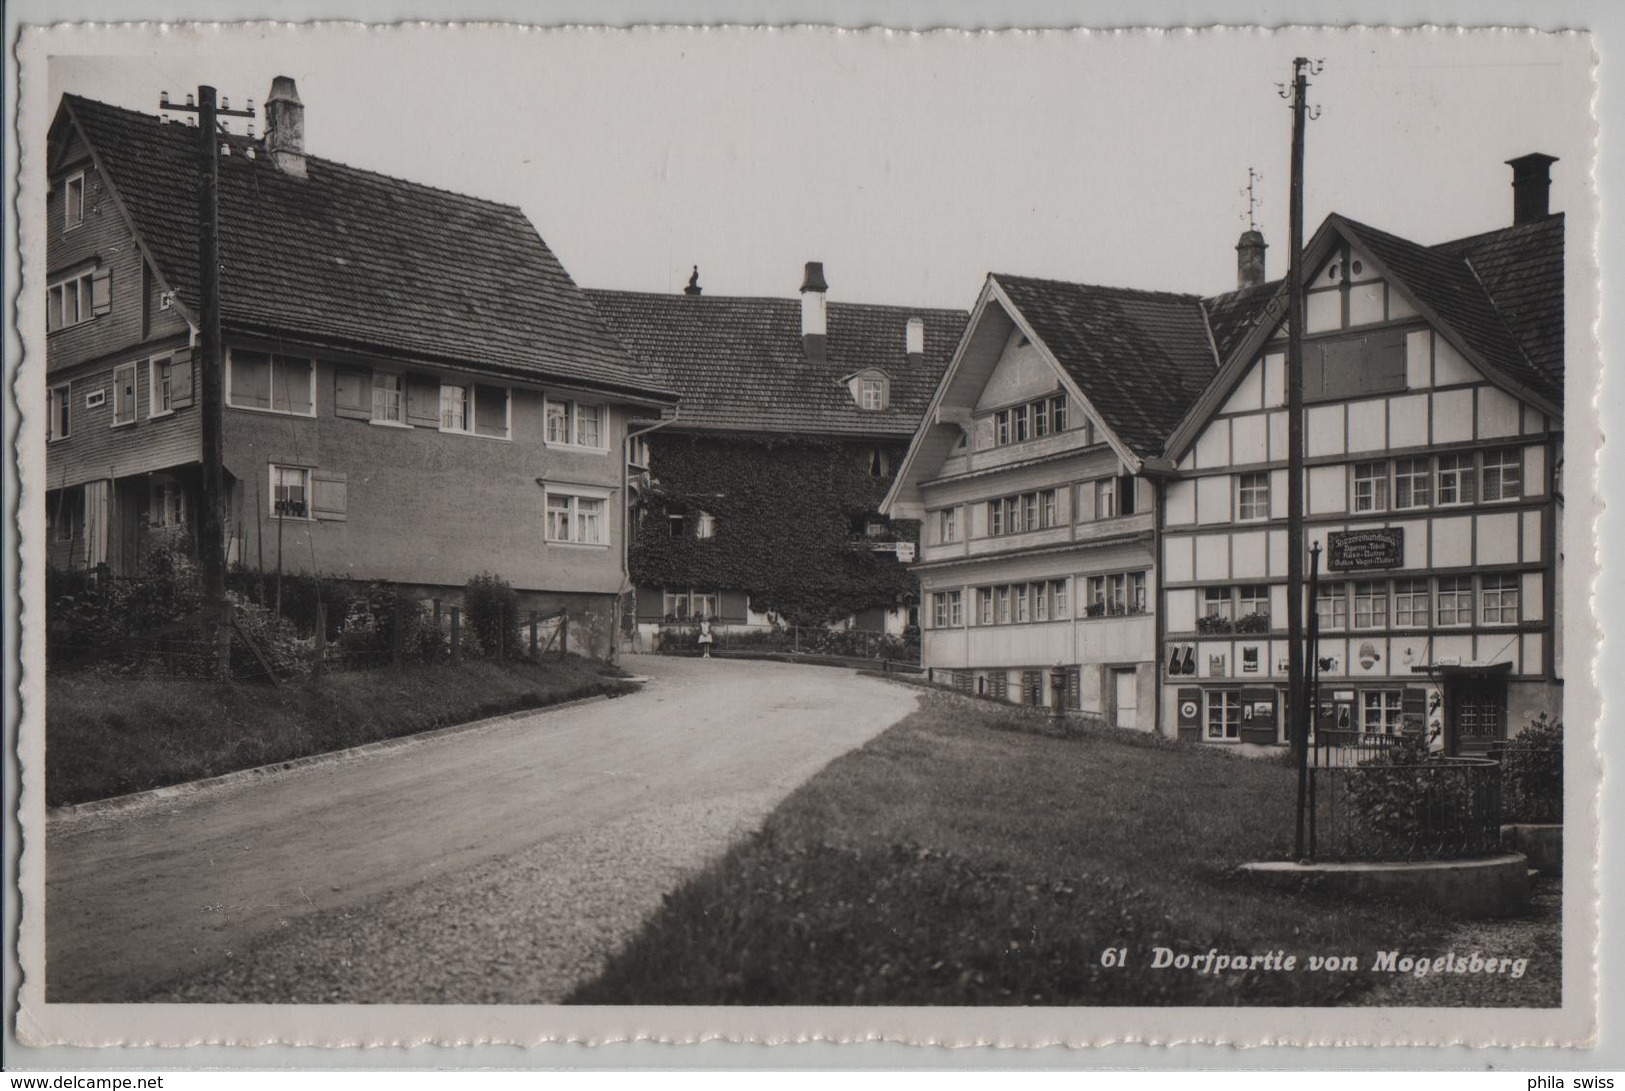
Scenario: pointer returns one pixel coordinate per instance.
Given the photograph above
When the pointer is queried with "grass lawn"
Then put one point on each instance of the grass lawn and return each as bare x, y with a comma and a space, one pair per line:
960, 858
107, 735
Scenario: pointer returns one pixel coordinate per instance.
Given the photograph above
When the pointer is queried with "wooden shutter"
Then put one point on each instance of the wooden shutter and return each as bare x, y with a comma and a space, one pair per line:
180, 379
1388, 366
1086, 501
352, 390
329, 497
732, 605
1254, 728
422, 401
491, 410
101, 291
651, 604
1125, 495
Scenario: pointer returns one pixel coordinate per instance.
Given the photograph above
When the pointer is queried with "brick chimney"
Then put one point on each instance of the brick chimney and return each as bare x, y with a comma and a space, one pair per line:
1531, 186
914, 340
1250, 259
813, 326
285, 127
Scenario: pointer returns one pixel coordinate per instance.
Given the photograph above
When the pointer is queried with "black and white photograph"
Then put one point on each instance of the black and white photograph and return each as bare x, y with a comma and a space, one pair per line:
1016, 537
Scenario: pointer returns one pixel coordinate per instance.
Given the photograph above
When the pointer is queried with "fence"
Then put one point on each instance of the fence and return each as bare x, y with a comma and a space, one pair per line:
794, 640
1397, 807
1531, 780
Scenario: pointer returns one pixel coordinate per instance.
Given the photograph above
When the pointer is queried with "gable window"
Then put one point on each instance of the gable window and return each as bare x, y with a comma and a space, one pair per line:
573, 424
386, 398
1037, 418
1253, 496
59, 413
1503, 474
124, 394
160, 386
70, 301
73, 201
1106, 498
1501, 600
1413, 483
270, 383
1456, 477
948, 525
872, 394
1455, 600
290, 491
1371, 486
574, 519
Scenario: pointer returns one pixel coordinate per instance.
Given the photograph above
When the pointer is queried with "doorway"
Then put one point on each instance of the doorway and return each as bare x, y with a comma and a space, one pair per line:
1126, 698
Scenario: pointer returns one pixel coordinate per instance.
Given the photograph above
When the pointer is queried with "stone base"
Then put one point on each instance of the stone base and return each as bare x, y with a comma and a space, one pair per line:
1492, 886
1542, 843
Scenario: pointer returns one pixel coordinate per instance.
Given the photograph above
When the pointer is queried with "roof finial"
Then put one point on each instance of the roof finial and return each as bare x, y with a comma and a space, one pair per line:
693, 282
1252, 199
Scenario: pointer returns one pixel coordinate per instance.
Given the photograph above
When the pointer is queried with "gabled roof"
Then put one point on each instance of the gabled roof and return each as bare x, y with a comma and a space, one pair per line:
739, 364
1140, 358
1445, 280
355, 258
1521, 268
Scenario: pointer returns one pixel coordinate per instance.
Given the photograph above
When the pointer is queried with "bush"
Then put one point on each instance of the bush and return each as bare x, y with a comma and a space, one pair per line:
492, 607
1532, 773
1407, 803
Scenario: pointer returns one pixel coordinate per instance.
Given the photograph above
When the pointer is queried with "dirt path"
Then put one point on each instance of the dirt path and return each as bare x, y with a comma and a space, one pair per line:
136, 898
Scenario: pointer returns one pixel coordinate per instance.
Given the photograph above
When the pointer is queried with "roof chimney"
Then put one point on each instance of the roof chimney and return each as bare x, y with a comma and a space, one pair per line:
1250, 259
285, 127
914, 340
813, 327
1531, 185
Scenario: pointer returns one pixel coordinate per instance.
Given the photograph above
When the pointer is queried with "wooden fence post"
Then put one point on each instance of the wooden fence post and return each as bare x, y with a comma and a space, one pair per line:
319, 663
456, 636
533, 654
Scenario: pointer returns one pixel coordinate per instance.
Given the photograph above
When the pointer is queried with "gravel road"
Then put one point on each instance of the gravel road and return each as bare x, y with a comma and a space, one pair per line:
497, 865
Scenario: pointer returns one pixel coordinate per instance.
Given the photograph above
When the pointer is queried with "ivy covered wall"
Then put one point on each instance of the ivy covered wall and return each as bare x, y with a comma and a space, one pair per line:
789, 528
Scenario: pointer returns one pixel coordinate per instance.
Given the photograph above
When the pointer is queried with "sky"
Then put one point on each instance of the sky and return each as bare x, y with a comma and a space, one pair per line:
911, 165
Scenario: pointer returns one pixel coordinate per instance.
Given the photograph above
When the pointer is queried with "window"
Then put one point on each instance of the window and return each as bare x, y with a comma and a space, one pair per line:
1370, 604
948, 525
871, 394
1253, 496
1040, 417
1059, 592
1500, 600
1117, 593
705, 526
454, 415
572, 424
702, 604
1503, 474
675, 605
589, 426
1455, 600
578, 520
674, 525
59, 413
1094, 600
290, 492
1217, 602
73, 202
1019, 594
1136, 592
1411, 603
995, 517
1106, 498
124, 394
985, 605
1057, 412
1001, 427
558, 422
1004, 605
68, 302
1028, 511
166, 503
476, 410
1223, 714
1456, 478
1413, 481
386, 398
1040, 594
1371, 486
160, 387
1030, 421
1382, 711
1332, 606
275, 384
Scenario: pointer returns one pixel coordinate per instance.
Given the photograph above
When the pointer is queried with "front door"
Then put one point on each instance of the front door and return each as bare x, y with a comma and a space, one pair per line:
1127, 703
1478, 715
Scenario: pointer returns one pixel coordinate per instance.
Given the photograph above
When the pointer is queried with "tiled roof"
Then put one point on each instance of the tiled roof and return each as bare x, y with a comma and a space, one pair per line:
739, 365
1449, 285
1233, 315
1521, 267
1141, 358
358, 258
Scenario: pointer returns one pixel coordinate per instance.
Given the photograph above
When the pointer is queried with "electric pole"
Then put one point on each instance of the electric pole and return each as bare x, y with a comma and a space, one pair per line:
1299, 699
210, 359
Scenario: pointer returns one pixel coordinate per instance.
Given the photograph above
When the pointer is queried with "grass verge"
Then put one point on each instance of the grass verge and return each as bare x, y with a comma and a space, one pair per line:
108, 736
961, 858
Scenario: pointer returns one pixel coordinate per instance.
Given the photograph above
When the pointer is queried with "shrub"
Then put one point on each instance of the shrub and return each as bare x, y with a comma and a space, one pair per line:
1532, 773
492, 607
1407, 802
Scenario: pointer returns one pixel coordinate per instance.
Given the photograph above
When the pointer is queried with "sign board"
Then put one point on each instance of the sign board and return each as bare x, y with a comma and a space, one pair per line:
905, 552
1358, 550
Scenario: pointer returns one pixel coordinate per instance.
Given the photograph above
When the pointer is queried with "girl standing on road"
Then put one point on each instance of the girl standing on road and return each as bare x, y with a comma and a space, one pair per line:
705, 637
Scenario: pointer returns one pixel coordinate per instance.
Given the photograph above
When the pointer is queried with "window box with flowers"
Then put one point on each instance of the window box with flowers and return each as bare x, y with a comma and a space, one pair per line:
1253, 623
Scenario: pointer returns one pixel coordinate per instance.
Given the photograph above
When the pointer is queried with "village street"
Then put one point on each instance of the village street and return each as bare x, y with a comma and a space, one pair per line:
524, 819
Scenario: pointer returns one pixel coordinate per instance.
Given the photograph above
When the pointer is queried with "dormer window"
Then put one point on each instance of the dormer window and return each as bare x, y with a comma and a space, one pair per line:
872, 394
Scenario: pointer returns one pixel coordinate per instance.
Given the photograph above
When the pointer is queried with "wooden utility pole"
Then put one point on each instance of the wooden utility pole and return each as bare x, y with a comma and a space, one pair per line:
210, 361
1298, 697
